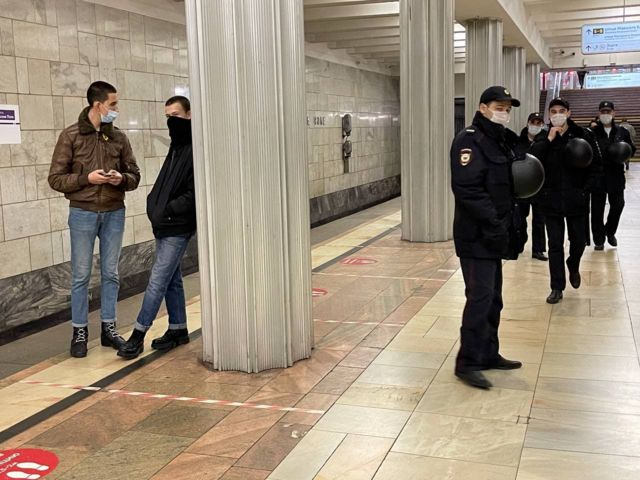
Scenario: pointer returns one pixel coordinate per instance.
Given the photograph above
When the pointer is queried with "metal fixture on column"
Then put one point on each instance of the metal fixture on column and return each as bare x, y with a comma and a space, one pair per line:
248, 94
427, 103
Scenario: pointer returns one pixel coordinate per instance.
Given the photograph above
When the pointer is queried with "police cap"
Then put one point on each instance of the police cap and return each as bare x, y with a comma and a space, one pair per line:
498, 94
606, 104
559, 101
535, 116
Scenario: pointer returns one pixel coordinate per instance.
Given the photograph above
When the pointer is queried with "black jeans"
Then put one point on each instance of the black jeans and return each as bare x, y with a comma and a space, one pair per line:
616, 205
481, 317
555, 230
538, 237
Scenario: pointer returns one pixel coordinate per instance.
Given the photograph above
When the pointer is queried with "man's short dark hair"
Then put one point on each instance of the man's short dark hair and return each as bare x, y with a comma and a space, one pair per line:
99, 92
184, 101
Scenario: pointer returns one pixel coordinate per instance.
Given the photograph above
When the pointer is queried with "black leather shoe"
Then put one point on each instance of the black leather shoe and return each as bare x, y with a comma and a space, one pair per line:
474, 379
539, 256
575, 279
79, 342
110, 337
171, 339
599, 248
132, 347
555, 296
504, 364
613, 241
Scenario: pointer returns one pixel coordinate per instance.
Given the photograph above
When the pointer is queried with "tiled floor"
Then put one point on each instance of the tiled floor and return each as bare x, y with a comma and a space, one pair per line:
382, 370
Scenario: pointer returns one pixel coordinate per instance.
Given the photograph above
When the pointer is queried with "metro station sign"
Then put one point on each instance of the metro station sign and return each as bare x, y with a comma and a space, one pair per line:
610, 38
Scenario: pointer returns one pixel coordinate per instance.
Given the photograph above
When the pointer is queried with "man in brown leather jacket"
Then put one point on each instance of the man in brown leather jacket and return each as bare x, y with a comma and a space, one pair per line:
93, 165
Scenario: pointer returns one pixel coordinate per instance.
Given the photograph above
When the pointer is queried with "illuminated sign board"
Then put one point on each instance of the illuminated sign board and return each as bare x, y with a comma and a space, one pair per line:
612, 80
611, 38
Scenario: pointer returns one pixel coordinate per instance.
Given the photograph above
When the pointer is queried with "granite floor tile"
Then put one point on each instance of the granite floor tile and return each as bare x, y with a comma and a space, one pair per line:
410, 359
537, 464
397, 376
378, 309
237, 473
380, 336
222, 391
374, 422
459, 400
338, 380
588, 395
413, 343
382, 396
188, 466
124, 457
590, 367
181, 421
360, 357
591, 345
458, 438
578, 325
311, 401
400, 466
305, 462
588, 432
273, 447
241, 378
357, 458
67, 458
345, 337
523, 329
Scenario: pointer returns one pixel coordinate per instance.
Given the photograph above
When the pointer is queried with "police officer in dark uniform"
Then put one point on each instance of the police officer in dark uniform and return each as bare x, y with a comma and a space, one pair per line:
612, 181
481, 157
535, 125
565, 194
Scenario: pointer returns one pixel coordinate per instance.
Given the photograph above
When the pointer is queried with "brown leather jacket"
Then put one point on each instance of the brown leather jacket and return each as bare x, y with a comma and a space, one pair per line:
81, 150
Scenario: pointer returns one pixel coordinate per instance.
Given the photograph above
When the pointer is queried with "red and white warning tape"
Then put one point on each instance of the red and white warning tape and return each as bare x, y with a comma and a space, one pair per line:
178, 398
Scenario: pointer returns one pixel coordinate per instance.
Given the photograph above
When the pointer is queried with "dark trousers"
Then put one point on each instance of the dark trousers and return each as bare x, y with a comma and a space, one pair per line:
616, 205
481, 317
555, 231
538, 237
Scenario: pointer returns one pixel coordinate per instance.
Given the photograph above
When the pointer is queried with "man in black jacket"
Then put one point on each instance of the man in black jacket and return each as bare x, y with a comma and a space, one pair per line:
564, 196
535, 125
172, 211
612, 181
481, 157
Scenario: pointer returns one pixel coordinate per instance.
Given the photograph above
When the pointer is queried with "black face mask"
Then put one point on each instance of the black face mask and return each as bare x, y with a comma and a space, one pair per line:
179, 130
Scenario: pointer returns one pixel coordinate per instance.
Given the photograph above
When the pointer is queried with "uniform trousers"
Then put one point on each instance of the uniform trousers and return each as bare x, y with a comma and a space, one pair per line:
479, 343
555, 231
538, 237
616, 205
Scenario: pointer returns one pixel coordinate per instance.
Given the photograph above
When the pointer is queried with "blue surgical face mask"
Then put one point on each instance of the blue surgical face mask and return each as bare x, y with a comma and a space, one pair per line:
110, 117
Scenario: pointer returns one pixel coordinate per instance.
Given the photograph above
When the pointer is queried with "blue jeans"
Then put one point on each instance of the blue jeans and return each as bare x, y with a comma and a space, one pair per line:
165, 283
85, 227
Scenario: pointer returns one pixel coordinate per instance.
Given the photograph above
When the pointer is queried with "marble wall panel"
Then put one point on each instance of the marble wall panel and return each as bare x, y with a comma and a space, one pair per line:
26, 219
138, 46
123, 54
6, 36
8, 79
138, 86
36, 112
59, 214
72, 108
41, 251
22, 74
30, 183
68, 30
142, 229
12, 185
158, 32
88, 44
156, 143
86, 13
112, 22
70, 79
136, 201
39, 77
106, 52
14, 258
33, 11
5, 156
36, 41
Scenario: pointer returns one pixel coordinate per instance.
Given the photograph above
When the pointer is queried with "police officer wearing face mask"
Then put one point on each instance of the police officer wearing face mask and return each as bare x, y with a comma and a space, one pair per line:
535, 125
481, 157
612, 182
565, 193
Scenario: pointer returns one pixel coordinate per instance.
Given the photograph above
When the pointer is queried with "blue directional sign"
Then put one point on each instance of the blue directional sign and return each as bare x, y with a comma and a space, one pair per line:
611, 38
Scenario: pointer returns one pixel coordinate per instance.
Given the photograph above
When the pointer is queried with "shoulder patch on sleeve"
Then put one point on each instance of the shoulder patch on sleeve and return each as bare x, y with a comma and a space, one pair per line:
465, 156
470, 131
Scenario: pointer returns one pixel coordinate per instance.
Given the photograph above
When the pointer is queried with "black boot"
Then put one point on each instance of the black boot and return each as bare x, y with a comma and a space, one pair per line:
575, 279
540, 256
504, 364
171, 339
110, 337
475, 379
79, 342
613, 241
555, 296
132, 347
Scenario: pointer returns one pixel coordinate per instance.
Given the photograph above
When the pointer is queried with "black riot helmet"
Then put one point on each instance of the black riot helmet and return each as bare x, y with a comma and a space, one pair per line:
619, 152
528, 176
578, 153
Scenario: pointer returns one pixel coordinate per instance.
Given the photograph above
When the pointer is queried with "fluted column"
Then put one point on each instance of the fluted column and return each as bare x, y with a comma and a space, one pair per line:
514, 61
532, 88
484, 61
246, 63
426, 107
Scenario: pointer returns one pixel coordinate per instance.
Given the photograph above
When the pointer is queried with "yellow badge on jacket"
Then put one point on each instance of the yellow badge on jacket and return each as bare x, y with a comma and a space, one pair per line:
465, 157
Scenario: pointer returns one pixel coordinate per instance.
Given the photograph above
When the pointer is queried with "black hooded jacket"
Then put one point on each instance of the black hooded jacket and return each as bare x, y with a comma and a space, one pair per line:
612, 178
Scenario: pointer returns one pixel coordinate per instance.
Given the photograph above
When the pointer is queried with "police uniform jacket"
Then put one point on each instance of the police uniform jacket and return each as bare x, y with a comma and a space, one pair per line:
612, 179
524, 144
566, 188
481, 157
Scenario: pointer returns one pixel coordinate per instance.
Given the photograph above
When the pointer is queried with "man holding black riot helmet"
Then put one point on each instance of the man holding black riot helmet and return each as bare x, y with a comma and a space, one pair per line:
616, 147
483, 230
567, 153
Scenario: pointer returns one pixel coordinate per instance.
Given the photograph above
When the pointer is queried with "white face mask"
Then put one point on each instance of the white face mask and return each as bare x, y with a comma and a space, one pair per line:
606, 119
558, 120
501, 118
534, 129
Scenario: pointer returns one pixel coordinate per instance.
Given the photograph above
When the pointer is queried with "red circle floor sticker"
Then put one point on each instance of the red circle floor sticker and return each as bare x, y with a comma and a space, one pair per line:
26, 464
358, 261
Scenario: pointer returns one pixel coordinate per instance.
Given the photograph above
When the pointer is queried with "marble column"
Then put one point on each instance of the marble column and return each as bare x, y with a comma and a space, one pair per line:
484, 61
247, 79
426, 107
532, 88
514, 64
